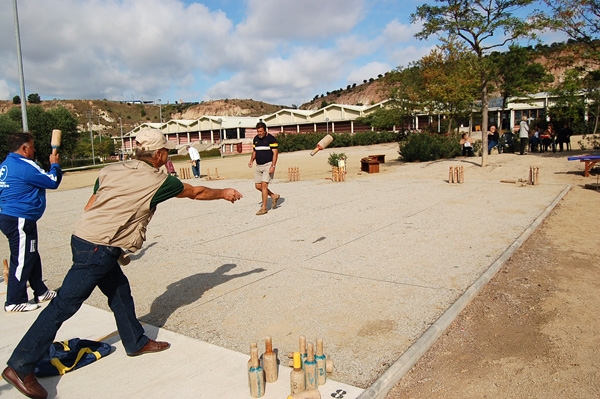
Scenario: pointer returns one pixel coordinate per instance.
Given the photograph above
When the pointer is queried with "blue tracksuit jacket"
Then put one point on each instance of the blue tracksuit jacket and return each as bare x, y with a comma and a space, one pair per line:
23, 186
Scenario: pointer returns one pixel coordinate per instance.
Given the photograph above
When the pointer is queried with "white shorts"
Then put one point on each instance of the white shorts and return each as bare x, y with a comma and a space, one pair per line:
261, 173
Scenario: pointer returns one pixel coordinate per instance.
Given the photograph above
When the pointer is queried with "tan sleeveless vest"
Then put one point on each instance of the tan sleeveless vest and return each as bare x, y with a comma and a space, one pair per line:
121, 211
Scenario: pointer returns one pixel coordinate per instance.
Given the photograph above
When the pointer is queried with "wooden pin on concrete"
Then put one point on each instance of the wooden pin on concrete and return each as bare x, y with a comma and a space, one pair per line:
297, 383
253, 345
329, 366
302, 348
270, 361
256, 376
310, 368
321, 360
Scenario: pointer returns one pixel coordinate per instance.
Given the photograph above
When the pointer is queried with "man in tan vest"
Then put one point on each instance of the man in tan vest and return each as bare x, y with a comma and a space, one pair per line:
115, 218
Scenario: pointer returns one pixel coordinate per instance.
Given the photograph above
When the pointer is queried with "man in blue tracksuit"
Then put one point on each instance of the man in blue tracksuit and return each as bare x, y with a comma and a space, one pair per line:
23, 187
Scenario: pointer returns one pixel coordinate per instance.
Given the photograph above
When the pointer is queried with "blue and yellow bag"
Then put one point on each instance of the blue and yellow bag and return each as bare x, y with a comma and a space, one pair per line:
70, 355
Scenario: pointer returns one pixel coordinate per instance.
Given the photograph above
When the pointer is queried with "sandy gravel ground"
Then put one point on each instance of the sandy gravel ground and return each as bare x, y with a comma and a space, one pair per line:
533, 332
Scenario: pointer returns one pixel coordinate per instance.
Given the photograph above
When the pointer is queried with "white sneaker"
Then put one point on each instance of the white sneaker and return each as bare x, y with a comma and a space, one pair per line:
47, 296
21, 307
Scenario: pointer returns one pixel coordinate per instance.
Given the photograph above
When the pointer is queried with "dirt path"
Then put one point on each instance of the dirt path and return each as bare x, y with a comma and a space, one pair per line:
534, 331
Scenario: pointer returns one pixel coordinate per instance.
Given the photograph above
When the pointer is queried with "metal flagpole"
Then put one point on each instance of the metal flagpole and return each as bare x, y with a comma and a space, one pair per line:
20, 61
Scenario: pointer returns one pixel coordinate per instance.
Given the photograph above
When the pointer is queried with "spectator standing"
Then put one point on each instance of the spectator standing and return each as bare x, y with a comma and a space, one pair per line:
523, 134
23, 187
194, 160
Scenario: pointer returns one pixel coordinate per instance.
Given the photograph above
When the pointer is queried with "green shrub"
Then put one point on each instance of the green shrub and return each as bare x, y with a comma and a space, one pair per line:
289, 142
477, 146
334, 158
429, 147
214, 153
342, 140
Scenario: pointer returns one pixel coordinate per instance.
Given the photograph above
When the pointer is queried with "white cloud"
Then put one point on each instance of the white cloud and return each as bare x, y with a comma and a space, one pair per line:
113, 49
301, 20
5, 91
397, 32
366, 72
282, 81
279, 51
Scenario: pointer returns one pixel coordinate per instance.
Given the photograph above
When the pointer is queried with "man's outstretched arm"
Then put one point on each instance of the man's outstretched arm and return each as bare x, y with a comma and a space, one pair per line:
206, 194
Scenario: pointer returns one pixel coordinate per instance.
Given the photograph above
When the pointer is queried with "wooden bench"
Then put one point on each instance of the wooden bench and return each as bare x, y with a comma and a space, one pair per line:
380, 158
590, 162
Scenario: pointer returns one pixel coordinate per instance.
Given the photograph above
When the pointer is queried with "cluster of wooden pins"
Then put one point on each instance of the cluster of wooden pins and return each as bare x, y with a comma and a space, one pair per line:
338, 174
216, 177
294, 173
261, 370
185, 173
456, 174
309, 371
534, 175
532, 180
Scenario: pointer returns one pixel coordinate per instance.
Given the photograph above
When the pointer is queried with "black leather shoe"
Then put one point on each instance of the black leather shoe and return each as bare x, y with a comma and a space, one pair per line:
28, 386
151, 346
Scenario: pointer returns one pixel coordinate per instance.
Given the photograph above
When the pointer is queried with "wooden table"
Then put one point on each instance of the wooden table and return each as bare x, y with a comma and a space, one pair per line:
590, 162
369, 165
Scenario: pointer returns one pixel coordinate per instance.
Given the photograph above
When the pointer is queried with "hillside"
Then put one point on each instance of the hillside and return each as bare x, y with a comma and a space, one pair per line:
227, 107
368, 93
104, 115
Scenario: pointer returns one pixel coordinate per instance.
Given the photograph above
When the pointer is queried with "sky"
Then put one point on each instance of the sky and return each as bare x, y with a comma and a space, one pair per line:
282, 52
